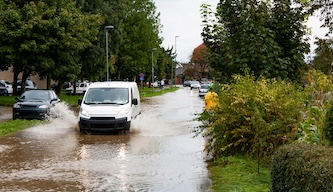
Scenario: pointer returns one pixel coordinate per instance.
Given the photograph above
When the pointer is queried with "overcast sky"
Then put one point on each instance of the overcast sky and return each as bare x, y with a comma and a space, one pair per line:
182, 18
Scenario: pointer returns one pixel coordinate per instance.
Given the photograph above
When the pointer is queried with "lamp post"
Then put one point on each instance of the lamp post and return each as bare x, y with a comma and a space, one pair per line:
107, 47
152, 67
175, 61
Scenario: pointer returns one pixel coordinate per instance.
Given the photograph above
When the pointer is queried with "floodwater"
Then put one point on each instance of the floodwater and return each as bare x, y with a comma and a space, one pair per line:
159, 154
5, 113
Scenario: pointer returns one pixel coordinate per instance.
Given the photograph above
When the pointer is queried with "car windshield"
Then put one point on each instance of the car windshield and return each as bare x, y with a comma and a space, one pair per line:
195, 82
35, 95
204, 86
107, 96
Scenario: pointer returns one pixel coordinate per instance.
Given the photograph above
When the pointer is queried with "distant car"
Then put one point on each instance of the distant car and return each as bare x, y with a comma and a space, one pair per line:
203, 90
3, 90
187, 83
8, 86
157, 84
28, 85
195, 84
64, 86
35, 104
81, 88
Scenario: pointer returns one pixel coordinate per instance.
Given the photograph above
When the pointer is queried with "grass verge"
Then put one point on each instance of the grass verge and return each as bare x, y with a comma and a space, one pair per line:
148, 92
233, 173
12, 126
144, 93
7, 100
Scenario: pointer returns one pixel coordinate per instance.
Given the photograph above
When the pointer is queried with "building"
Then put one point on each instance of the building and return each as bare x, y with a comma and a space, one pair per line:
9, 76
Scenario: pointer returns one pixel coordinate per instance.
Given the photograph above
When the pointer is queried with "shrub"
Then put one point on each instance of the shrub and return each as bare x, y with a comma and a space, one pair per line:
302, 167
315, 126
328, 128
253, 117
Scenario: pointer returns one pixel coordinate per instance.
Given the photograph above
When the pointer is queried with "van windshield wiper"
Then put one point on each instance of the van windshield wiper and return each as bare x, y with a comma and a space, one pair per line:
100, 102
113, 103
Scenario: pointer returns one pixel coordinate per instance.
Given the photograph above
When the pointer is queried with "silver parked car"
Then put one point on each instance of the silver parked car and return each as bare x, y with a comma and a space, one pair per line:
195, 84
28, 85
203, 90
8, 86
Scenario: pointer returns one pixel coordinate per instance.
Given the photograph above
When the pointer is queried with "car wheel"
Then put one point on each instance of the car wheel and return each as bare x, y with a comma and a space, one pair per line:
82, 131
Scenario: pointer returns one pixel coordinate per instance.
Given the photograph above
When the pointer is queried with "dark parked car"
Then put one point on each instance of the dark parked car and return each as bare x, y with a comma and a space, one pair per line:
64, 86
35, 104
187, 84
3, 89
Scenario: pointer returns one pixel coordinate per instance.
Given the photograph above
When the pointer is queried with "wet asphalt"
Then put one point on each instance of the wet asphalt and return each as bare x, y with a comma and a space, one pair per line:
159, 154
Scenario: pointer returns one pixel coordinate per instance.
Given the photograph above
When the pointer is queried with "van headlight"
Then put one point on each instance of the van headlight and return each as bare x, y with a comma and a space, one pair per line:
123, 112
84, 112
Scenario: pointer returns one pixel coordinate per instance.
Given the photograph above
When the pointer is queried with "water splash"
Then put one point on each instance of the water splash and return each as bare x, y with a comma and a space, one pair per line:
62, 114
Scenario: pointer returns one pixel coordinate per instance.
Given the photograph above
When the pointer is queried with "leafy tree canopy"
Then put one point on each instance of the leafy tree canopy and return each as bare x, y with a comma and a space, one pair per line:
265, 37
45, 37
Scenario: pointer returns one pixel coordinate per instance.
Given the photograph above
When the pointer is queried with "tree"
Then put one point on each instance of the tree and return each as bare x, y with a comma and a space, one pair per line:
45, 37
94, 59
141, 30
324, 56
135, 33
326, 9
199, 59
265, 38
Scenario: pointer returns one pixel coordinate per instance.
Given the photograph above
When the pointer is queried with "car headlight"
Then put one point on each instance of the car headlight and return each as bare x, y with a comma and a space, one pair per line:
123, 111
84, 112
16, 105
43, 107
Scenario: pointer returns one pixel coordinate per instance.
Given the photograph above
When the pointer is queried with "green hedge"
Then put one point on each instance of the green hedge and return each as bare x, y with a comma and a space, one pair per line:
302, 167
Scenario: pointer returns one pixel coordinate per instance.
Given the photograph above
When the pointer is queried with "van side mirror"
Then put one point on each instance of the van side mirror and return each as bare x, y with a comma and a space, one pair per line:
135, 101
79, 101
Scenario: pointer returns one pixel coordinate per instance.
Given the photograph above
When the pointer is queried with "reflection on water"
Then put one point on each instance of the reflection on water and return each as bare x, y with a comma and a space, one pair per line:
160, 153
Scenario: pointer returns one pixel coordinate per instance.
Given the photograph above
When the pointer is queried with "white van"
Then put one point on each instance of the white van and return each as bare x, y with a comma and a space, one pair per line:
109, 106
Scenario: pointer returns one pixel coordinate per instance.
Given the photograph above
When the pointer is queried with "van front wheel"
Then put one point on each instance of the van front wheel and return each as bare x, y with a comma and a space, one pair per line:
128, 126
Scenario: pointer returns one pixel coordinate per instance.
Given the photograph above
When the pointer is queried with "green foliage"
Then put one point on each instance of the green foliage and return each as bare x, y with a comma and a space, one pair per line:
315, 114
262, 36
324, 56
7, 100
302, 167
328, 127
45, 37
141, 29
253, 117
65, 40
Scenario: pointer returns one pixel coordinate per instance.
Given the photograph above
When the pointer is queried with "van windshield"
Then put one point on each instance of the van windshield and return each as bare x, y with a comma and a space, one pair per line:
118, 96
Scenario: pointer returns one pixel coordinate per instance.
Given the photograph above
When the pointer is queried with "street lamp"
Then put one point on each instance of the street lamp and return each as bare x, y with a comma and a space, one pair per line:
152, 67
175, 60
107, 47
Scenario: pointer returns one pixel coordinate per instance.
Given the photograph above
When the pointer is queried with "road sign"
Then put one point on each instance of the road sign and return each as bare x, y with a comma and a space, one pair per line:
142, 76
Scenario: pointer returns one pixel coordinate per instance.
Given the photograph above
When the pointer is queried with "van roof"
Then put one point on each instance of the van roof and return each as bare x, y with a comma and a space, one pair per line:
112, 84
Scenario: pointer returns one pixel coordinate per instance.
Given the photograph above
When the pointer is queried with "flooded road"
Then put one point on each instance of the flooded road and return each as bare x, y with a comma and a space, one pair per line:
160, 154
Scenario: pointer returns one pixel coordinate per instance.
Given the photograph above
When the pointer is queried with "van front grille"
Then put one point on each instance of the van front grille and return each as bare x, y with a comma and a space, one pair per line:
102, 118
